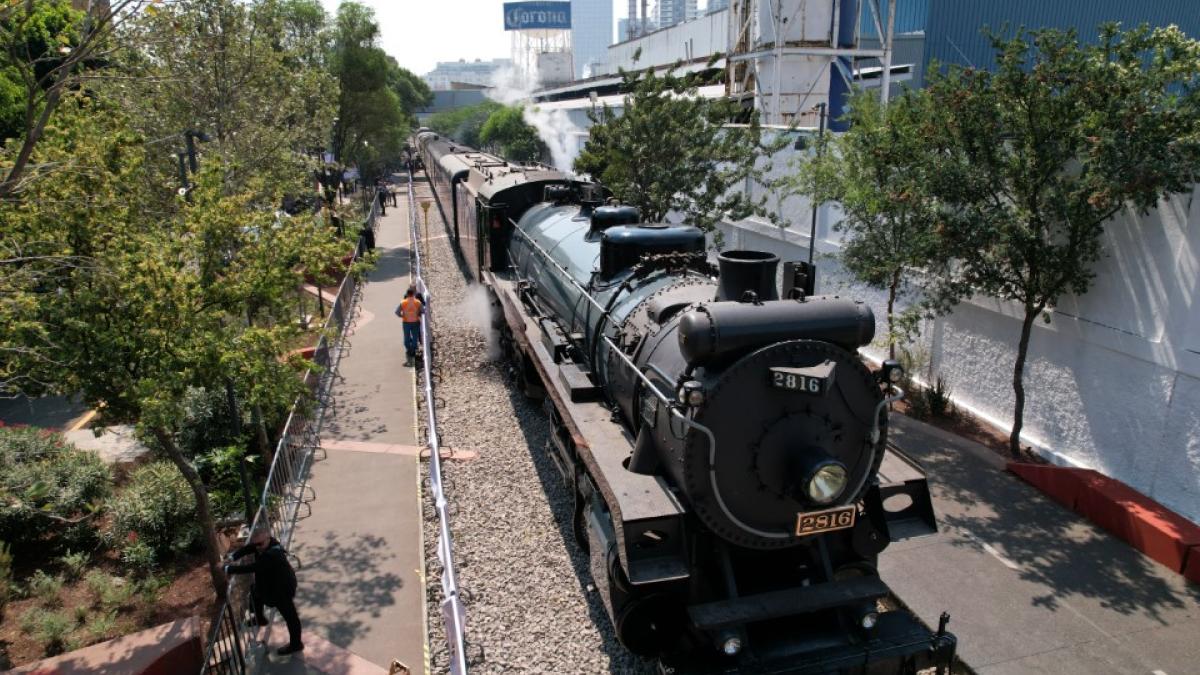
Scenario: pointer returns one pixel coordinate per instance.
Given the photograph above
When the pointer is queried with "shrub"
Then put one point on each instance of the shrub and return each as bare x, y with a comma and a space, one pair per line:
74, 564
103, 625
112, 593
49, 628
157, 509
45, 588
938, 398
150, 589
139, 557
52, 630
206, 423
44, 479
221, 470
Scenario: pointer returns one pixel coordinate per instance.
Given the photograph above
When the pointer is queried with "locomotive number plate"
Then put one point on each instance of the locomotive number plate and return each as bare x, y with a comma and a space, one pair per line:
812, 380
825, 521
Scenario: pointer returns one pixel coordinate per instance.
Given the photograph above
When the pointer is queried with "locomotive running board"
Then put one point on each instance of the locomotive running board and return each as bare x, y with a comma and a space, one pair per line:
789, 602
647, 518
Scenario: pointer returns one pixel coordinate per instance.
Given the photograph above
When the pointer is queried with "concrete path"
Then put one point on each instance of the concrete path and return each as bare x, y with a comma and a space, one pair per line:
1030, 586
360, 550
115, 445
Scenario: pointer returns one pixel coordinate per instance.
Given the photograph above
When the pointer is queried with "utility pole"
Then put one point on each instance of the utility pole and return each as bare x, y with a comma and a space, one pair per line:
812, 230
886, 84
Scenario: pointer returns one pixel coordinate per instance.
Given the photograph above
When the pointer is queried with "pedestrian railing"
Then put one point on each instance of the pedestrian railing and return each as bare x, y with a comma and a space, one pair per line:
233, 647
453, 611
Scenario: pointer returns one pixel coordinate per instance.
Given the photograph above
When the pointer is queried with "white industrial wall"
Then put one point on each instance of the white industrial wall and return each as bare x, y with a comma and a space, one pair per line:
685, 41
1112, 382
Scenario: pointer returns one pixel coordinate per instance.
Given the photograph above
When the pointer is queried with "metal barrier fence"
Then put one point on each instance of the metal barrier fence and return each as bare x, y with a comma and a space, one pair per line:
453, 612
233, 647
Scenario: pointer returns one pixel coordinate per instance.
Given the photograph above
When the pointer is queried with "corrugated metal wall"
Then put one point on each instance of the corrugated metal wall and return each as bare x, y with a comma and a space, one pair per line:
911, 17
952, 29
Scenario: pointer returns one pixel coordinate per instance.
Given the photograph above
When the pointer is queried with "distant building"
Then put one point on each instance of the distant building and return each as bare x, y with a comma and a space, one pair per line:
714, 5
629, 30
591, 32
450, 99
670, 12
448, 73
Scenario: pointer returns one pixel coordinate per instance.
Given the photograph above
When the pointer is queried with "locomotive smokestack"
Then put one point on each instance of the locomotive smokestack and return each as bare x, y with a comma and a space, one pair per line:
743, 271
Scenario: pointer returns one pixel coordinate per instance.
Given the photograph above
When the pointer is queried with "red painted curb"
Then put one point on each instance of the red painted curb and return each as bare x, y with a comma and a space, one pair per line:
1061, 484
1163, 535
1192, 569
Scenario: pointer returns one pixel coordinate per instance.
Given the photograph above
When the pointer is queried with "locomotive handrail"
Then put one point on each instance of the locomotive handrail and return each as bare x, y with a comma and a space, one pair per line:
671, 403
452, 607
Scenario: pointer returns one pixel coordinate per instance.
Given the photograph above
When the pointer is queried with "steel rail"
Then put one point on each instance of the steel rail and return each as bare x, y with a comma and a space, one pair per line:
452, 607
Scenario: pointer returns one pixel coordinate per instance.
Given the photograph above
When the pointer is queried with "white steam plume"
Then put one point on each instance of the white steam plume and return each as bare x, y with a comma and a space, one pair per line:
477, 307
555, 128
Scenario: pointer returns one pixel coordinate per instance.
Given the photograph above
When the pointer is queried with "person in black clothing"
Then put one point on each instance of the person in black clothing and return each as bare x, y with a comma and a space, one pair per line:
382, 193
274, 584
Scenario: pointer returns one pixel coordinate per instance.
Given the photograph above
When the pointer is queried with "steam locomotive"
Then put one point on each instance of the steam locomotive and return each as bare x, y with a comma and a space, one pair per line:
724, 442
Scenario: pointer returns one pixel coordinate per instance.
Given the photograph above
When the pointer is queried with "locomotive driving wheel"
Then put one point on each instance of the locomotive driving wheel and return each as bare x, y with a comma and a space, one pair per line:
579, 518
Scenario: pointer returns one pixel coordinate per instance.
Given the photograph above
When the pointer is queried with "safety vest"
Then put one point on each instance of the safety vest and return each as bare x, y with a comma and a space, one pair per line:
410, 310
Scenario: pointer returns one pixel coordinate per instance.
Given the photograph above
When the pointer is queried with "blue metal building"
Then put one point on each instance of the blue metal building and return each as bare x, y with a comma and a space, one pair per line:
953, 29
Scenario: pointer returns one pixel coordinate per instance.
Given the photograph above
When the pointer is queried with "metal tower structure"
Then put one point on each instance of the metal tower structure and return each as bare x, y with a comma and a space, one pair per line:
541, 42
789, 56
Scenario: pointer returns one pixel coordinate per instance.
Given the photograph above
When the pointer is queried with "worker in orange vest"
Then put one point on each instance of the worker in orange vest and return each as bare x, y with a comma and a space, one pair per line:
410, 310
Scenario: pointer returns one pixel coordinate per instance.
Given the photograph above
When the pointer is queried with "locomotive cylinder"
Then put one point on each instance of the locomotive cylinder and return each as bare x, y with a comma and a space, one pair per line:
719, 329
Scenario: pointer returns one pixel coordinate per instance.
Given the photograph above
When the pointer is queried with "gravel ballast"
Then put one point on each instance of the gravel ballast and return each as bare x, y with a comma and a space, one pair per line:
528, 603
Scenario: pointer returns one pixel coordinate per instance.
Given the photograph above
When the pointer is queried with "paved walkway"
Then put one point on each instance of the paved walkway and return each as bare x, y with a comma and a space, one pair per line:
360, 550
1030, 586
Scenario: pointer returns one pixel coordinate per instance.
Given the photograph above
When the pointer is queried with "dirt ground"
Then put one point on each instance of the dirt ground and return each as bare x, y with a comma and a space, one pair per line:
964, 424
188, 593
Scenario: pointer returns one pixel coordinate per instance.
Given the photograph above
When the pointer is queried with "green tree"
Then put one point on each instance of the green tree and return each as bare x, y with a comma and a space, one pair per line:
219, 67
45, 49
123, 293
511, 136
464, 124
879, 172
1039, 154
673, 150
160, 309
377, 98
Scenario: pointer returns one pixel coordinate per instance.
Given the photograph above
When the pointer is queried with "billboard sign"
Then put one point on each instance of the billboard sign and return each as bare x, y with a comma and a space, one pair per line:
537, 16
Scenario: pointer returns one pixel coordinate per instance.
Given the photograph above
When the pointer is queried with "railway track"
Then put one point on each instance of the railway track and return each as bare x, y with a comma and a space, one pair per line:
530, 606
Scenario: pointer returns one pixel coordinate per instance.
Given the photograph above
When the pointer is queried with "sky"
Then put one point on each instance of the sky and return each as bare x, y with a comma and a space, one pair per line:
419, 33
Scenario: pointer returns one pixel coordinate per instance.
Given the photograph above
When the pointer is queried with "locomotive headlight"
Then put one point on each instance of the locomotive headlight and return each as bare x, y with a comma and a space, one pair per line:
891, 372
692, 393
732, 646
827, 482
869, 620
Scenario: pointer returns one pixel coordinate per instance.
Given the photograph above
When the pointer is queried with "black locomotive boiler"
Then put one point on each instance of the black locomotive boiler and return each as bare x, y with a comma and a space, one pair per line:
725, 443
